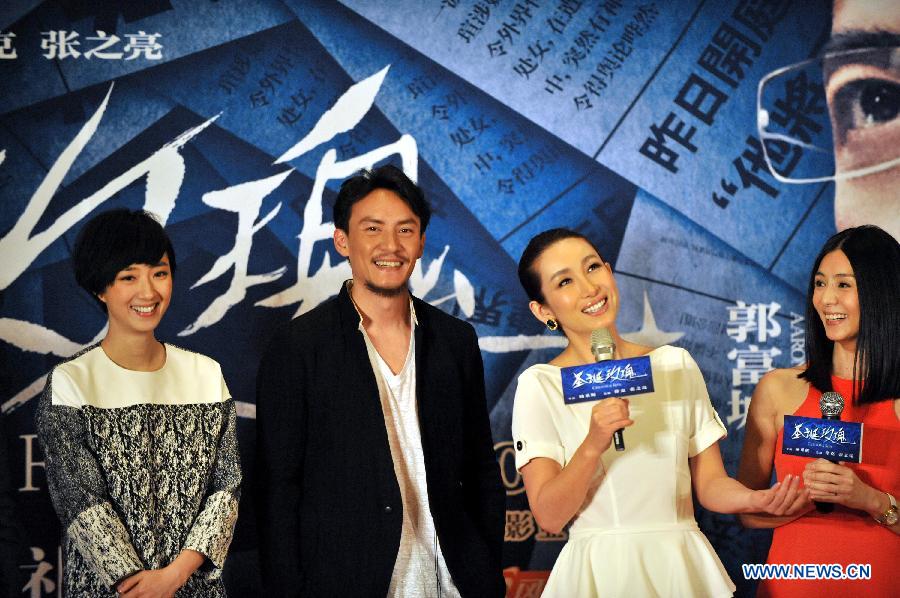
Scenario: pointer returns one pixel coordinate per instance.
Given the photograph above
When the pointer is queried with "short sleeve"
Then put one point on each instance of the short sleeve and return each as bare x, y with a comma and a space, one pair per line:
533, 428
706, 427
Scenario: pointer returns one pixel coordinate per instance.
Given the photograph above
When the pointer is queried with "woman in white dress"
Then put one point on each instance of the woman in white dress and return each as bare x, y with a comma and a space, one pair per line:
632, 528
138, 435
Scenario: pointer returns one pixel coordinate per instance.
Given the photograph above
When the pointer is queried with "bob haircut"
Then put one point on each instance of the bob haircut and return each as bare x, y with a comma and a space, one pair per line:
387, 177
114, 240
529, 279
874, 256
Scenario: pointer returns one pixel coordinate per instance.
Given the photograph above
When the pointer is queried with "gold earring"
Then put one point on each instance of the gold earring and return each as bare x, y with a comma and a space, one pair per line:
552, 325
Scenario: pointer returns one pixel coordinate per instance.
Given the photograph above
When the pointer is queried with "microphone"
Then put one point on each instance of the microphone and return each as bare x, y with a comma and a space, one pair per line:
831, 404
603, 347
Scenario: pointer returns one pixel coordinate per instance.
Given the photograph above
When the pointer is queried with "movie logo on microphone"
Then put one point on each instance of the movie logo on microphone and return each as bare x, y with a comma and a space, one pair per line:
831, 439
604, 379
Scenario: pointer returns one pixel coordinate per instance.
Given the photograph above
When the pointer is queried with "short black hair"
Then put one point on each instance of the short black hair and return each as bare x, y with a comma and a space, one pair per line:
114, 240
387, 177
874, 256
529, 279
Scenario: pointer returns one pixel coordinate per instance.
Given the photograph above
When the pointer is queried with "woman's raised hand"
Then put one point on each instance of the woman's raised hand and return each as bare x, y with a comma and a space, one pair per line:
607, 416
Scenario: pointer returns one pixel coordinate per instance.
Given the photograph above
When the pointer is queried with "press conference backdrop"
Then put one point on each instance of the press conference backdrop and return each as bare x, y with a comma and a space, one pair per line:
235, 120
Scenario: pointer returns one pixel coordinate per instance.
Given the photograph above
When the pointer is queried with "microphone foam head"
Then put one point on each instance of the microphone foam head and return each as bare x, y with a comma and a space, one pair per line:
602, 338
831, 403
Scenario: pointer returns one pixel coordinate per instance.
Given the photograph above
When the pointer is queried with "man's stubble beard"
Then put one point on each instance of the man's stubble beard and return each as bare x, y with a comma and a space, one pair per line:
387, 291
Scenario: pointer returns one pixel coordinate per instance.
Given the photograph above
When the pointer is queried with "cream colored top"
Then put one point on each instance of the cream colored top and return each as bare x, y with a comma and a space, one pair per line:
94, 379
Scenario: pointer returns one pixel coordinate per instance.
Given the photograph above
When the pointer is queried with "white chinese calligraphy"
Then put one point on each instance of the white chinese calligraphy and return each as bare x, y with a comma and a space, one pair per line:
7, 51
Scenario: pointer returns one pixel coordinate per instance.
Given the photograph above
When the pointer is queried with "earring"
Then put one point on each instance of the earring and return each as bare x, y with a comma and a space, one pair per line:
552, 325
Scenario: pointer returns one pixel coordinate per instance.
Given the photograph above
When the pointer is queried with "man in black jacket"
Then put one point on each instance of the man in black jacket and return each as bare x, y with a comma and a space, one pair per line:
376, 468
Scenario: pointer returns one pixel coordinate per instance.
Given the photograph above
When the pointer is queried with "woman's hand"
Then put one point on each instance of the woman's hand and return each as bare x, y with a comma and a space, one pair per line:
832, 482
162, 583
156, 583
785, 498
607, 416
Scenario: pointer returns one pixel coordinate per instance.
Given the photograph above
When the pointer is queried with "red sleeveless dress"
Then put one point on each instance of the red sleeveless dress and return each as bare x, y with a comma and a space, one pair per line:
844, 536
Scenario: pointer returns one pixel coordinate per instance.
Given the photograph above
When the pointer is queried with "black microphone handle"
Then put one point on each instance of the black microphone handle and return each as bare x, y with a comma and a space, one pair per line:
826, 507
618, 440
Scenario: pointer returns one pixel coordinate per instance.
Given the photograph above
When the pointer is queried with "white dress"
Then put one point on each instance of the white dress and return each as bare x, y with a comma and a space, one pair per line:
635, 535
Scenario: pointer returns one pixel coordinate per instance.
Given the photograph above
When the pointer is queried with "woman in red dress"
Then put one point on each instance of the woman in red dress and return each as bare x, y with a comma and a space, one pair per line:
852, 347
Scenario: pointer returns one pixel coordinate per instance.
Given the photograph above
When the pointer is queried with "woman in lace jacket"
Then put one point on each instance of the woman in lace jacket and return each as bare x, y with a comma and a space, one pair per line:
138, 435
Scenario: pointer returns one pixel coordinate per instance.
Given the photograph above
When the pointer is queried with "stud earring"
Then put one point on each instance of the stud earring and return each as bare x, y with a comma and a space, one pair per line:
552, 325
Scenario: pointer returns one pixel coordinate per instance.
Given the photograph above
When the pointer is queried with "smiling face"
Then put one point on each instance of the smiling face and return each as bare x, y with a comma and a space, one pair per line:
138, 297
836, 299
383, 240
864, 103
578, 287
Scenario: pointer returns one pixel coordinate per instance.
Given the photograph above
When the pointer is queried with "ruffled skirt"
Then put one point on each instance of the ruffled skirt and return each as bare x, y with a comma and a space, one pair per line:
668, 562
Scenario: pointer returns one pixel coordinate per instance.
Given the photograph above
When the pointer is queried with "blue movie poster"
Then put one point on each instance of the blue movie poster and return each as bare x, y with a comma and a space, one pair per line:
633, 122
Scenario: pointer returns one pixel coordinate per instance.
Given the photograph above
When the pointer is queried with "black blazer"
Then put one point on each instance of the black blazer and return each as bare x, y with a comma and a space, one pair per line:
329, 502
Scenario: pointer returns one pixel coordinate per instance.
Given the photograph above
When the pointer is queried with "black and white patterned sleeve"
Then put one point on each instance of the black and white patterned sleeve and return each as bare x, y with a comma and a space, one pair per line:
78, 487
212, 530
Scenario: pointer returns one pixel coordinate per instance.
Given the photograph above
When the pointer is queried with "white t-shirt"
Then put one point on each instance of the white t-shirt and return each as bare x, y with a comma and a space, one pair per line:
420, 569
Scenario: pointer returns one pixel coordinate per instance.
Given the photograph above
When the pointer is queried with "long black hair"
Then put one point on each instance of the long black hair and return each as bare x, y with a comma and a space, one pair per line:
874, 256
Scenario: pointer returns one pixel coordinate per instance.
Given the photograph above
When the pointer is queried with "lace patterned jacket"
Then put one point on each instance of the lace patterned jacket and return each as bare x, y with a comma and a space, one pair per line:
140, 466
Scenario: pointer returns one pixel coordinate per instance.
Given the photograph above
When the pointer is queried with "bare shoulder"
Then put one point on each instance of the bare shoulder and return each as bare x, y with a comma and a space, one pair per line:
784, 379
780, 391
